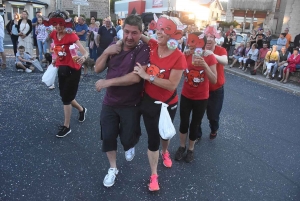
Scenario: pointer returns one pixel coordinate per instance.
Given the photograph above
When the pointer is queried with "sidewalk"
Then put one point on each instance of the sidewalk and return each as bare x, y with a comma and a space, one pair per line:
291, 86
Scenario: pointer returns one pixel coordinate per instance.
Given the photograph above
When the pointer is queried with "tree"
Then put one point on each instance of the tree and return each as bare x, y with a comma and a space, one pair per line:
112, 5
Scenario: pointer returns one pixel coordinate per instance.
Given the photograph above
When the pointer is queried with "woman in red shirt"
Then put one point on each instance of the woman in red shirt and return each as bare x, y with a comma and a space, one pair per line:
69, 70
293, 60
195, 93
162, 77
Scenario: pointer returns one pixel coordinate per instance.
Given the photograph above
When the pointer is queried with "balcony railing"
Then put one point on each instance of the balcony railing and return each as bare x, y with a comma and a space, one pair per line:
259, 5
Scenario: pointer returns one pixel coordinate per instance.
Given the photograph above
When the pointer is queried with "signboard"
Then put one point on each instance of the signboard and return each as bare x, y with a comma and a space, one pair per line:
80, 2
157, 4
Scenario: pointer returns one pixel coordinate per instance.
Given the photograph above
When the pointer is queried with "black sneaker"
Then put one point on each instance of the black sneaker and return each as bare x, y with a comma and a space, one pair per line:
81, 117
179, 153
189, 157
213, 135
63, 131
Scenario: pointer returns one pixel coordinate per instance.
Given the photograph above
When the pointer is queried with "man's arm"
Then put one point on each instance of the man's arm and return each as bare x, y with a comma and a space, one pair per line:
80, 33
101, 61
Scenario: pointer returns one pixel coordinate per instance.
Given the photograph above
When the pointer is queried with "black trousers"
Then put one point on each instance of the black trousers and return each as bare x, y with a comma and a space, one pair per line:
14, 40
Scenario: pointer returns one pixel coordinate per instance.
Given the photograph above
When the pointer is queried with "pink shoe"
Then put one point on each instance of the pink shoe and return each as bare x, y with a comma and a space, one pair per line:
166, 159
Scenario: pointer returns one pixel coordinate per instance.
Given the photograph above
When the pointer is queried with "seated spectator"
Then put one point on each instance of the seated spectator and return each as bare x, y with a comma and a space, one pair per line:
272, 59
243, 59
238, 53
291, 67
252, 56
24, 60
281, 41
261, 58
297, 41
283, 57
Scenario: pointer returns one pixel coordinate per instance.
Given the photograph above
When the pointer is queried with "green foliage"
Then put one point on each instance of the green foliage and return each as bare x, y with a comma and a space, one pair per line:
228, 24
112, 4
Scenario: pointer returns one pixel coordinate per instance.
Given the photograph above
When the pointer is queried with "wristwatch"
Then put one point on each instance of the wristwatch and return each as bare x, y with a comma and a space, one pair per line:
151, 80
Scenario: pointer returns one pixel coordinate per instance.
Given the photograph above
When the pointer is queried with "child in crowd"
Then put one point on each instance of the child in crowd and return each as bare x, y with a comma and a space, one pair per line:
42, 35
24, 60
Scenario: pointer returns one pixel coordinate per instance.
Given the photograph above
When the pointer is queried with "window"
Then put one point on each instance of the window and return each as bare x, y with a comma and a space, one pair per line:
217, 16
278, 4
93, 13
212, 14
216, 5
17, 9
36, 10
70, 12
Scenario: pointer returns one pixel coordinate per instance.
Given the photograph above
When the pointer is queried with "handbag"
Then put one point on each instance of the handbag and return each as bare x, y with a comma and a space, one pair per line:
50, 75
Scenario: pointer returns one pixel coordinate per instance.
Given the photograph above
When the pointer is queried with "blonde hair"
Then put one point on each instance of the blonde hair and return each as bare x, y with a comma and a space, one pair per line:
97, 23
174, 19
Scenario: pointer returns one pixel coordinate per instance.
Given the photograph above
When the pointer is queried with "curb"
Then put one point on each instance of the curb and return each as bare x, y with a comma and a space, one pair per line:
264, 81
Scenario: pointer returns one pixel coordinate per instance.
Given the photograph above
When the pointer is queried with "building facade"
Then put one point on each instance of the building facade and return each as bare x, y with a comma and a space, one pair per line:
275, 15
96, 8
199, 12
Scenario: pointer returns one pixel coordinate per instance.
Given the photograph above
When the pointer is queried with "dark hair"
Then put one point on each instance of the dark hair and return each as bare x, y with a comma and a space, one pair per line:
198, 34
296, 49
265, 43
134, 20
21, 47
59, 13
92, 17
255, 45
284, 34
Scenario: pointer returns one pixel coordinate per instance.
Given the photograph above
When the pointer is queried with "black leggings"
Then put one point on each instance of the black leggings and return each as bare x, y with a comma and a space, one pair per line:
14, 40
151, 113
197, 107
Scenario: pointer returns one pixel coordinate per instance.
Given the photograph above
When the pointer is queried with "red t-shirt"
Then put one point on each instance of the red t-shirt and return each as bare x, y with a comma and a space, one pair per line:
196, 85
61, 49
220, 51
263, 52
161, 67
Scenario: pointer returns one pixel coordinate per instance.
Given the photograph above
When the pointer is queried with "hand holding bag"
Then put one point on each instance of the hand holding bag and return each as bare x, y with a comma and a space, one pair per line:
165, 125
50, 75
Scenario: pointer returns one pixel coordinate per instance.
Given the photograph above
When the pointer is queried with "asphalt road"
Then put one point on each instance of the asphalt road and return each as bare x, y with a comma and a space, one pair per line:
255, 156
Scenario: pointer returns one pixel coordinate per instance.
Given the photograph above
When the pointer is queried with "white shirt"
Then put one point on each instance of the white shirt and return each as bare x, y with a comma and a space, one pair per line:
219, 40
1, 27
120, 34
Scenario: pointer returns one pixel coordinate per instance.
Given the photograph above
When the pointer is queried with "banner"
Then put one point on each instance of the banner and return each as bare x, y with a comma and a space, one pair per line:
157, 4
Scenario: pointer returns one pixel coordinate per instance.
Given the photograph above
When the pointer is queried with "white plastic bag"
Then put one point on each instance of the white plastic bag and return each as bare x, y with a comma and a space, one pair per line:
165, 125
50, 75
37, 64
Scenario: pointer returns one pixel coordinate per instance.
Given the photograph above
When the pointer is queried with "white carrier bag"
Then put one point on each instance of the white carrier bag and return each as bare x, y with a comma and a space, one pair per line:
165, 125
50, 75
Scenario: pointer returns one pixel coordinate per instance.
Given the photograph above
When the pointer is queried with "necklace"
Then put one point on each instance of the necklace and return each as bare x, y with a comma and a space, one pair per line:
160, 55
59, 37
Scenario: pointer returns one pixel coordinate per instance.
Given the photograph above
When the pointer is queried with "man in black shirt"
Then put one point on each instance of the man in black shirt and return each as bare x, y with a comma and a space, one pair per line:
297, 41
260, 38
106, 35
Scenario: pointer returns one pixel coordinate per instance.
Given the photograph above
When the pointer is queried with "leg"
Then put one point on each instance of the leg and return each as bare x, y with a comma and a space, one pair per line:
20, 65
234, 61
153, 161
214, 107
45, 47
36, 46
76, 105
40, 49
287, 75
67, 113
274, 70
185, 111
112, 158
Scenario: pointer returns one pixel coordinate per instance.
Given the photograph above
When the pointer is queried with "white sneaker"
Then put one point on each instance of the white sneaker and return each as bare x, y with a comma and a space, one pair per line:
266, 72
52, 86
28, 70
109, 179
20, 70
129, 155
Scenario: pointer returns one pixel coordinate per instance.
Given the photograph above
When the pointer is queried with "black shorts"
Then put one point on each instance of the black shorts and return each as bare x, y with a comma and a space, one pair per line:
151, 114
34, 41
27, 65
123, 122
68, 79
